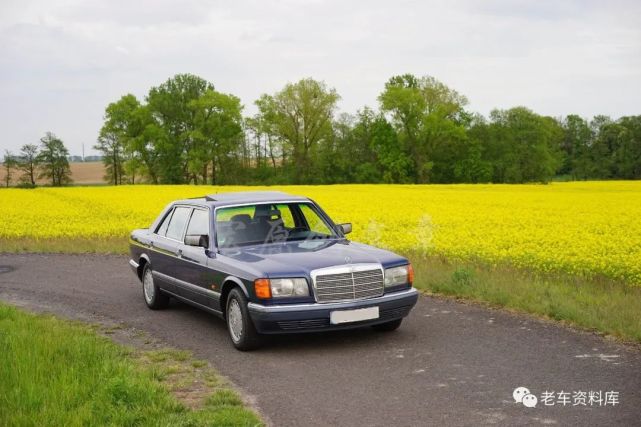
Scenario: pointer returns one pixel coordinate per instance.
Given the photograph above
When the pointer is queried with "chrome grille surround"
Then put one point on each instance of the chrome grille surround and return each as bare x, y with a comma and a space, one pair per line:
348, 282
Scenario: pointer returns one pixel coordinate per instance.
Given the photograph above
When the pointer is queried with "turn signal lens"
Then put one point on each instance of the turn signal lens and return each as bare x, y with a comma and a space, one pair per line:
410, 274
262, 288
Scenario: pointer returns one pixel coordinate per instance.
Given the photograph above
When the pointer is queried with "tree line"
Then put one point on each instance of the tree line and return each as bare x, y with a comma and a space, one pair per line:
47, 160
185, 131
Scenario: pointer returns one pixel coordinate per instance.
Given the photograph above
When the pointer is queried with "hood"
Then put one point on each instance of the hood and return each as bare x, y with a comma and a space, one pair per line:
301, 257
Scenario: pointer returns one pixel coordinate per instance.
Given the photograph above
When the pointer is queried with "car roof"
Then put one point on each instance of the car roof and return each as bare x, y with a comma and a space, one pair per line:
244, 197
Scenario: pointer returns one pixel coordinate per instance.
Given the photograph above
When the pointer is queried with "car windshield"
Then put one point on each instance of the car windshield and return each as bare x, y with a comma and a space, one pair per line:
270, 223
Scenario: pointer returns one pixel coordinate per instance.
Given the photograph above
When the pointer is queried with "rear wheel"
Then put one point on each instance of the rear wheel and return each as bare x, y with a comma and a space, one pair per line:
154, 297
388, 326
239, 325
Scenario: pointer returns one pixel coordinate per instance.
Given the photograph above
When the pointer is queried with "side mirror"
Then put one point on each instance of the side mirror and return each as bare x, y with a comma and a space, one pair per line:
197, 240
347, 227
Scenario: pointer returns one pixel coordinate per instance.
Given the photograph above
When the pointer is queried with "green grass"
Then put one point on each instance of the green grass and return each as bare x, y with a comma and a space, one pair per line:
597, 304
60, 373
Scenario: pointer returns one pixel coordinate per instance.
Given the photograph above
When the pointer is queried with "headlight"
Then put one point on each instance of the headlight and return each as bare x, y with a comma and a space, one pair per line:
399, 275
289, 287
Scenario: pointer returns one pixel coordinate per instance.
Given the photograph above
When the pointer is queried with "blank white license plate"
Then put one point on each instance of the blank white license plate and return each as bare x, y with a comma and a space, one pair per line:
347, 316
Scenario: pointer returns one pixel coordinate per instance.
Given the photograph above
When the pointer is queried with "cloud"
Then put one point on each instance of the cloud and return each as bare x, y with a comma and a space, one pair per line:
62, 62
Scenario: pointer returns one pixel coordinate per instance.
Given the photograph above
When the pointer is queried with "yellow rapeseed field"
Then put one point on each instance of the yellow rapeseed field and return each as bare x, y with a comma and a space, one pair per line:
582, 228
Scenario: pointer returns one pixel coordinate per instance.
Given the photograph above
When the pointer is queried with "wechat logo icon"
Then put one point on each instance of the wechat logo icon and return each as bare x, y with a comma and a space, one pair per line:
523, 395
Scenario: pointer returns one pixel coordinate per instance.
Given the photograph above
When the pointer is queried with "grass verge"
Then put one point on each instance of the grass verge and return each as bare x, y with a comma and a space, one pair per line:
70, 245
609, 307
55, 372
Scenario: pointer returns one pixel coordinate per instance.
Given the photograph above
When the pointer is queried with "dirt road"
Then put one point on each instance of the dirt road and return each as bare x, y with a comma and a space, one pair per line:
449, 364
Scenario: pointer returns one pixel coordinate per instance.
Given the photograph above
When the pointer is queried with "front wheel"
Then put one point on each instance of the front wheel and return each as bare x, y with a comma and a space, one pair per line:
239, 325
388, 326
154, 297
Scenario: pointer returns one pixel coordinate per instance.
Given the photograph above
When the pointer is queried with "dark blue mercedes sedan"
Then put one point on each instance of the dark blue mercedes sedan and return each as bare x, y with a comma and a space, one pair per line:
269, 263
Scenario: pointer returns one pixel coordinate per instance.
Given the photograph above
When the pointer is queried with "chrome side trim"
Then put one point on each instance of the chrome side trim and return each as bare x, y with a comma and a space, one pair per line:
188, 286
133, 264
173, 255
285, 308
195, 304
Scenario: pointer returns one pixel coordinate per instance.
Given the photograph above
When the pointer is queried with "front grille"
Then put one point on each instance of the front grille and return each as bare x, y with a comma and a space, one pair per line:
349, 286
290, 325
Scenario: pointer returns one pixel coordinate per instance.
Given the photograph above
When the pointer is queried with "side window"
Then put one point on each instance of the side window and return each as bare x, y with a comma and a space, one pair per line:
286, 216
199, 223
316, 224
162, 229
177, 224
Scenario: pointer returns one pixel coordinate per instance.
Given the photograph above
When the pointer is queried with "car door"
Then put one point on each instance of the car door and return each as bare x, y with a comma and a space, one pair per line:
161, 254
167, 248
193, 274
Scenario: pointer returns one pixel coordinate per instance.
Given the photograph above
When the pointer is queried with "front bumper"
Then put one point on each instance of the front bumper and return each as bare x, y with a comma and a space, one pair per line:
134, 266
291, 318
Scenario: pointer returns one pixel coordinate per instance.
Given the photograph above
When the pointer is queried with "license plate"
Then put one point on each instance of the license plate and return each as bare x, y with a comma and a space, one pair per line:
347, 316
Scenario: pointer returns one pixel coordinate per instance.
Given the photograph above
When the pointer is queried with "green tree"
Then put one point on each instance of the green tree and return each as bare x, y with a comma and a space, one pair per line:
332, 164
10, 163
628, 153
575, 146
53, 160
301, 115
616, 150
265, 124
600, 160
427, 115
170, 105
28, 162
111, 147
478, 166
115, 141
144, 147
396, 164
364, 164
523, 146
217, 131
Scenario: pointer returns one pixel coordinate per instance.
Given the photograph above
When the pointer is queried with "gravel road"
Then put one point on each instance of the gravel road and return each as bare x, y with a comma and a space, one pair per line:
449, 364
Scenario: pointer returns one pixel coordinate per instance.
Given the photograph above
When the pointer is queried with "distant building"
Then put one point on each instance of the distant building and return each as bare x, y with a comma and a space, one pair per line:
78, 159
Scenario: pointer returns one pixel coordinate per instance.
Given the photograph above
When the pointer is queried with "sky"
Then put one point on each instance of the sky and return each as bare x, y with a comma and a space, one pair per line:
62, 62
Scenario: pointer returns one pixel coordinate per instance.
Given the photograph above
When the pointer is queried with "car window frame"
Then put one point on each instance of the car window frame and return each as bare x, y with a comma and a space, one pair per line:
191, 215
303, 219
166, 217
184, 229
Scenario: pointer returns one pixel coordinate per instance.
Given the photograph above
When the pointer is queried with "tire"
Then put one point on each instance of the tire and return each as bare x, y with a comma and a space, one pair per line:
388, 326
153, 296
239, 324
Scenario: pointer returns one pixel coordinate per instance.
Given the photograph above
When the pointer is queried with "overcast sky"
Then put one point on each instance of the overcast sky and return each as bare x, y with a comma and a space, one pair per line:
63, 61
